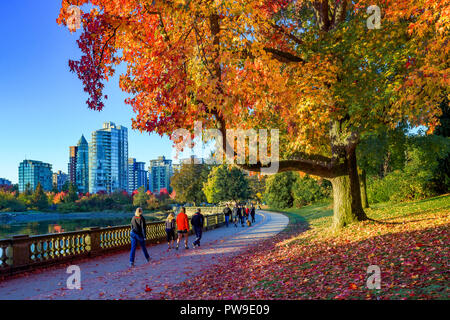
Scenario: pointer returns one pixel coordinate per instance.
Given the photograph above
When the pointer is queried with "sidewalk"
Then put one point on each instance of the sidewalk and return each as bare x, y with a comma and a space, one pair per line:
109, 277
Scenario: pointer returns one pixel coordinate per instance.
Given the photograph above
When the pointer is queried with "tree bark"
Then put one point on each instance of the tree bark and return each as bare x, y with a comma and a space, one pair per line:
347, 204
342, 202
363, 186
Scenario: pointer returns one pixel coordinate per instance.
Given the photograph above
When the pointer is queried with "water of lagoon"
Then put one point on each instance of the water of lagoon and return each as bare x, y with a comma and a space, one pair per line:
43, 223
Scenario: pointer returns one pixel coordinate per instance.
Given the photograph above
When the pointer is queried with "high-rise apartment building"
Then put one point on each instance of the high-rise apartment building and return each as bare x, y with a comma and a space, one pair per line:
82, 166
137, 175
32, 172
108, 159
59, 179
160, 172
72, 167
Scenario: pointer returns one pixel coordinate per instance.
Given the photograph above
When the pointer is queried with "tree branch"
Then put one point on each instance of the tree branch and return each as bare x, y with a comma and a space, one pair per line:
306, 166
321, 10
282, 56
339, 12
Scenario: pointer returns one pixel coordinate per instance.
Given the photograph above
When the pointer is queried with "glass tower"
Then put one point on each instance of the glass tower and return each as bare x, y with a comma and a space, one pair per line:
82, 166
108, 159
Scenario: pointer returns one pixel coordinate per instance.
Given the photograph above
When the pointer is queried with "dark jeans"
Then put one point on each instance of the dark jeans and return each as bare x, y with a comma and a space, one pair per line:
170, 234
253, 217
227, 219
242, 219
135, 238
198, 233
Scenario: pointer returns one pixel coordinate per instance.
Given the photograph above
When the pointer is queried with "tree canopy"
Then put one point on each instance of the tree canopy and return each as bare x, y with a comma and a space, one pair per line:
311, 69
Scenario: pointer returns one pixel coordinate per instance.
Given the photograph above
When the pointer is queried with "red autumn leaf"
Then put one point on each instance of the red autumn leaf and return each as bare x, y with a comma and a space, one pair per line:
352, 286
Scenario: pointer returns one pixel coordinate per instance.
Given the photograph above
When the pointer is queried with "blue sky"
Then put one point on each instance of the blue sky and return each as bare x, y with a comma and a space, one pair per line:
42, 104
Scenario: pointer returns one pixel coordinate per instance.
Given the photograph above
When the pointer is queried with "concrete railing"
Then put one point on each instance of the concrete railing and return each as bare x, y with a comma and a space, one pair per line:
24, 253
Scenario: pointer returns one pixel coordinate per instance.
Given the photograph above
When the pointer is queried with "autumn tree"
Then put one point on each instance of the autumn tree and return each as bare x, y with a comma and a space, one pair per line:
311, 69
39, 200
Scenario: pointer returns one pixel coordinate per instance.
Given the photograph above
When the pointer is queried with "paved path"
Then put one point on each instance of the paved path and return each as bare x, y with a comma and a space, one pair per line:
109, 277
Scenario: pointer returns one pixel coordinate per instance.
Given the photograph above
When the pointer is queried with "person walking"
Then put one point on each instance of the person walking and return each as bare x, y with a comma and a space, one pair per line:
241, 214
247, 212
197, 222
137, 234
252, 212
170, 230
183, 228
227, 212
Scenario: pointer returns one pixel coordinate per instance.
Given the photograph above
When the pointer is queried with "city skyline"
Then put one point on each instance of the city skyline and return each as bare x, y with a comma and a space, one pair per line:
107, 144
44, 102
155, 154
65, 168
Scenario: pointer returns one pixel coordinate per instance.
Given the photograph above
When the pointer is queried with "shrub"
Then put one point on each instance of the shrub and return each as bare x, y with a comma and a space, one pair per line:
288, 189
307, 190
66, 207
419, 177
9, 202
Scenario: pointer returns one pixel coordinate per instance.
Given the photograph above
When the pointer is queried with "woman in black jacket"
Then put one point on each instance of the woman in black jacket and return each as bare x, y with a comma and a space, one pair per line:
138, 234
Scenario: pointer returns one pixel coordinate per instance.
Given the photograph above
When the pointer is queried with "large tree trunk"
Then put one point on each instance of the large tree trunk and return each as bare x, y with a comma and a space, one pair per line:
342, 202
347, 205
363, 187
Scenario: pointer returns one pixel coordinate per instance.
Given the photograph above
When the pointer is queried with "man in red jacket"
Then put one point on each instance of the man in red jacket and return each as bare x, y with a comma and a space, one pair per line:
183, 228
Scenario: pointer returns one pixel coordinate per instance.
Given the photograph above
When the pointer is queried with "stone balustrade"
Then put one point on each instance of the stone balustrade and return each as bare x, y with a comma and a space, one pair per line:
25, 253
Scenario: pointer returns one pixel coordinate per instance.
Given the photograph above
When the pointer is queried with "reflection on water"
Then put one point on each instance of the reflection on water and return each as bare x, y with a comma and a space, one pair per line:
58, 226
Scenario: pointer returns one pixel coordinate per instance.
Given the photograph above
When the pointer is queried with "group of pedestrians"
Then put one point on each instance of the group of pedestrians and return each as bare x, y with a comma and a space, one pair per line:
239, 214
181, 223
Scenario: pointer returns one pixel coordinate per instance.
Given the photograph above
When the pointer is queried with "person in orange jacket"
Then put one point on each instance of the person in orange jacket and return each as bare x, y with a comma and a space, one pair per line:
183, 228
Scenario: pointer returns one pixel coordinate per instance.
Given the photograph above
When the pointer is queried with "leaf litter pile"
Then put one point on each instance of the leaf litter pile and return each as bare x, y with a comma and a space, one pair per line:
409, 242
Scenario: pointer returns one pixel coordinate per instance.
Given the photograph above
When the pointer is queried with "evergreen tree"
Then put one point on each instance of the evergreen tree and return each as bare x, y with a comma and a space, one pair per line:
278, 192
65, 186
225, 184
28, 191
72, 196
39, 199
188, 183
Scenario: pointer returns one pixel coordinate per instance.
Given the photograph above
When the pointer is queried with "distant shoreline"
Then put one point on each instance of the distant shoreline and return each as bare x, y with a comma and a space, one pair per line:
33, 216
